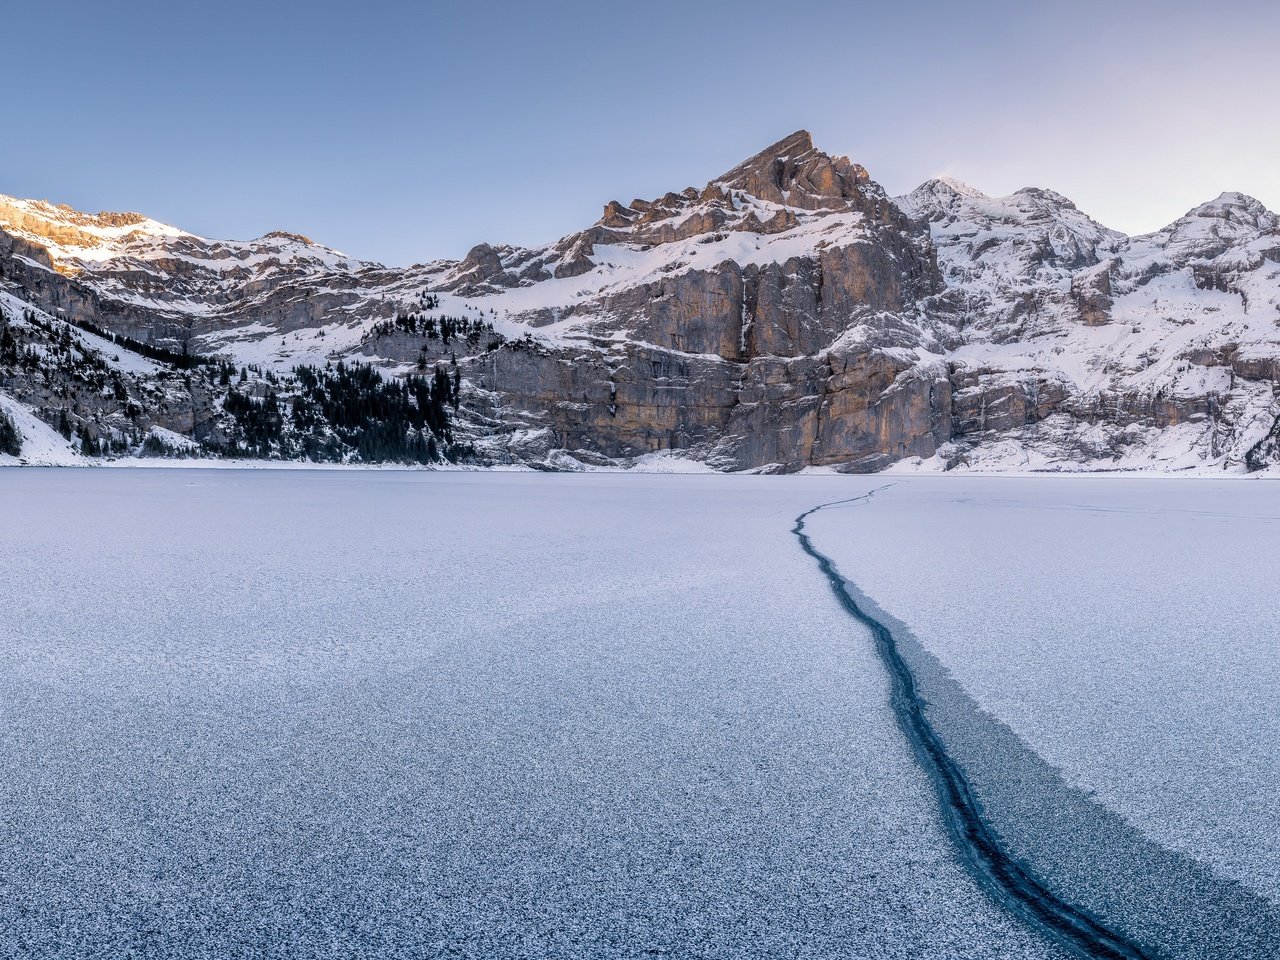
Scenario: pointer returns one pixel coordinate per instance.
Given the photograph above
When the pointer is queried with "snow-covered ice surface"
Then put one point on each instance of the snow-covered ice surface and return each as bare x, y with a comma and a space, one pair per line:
1124, 631
379, 713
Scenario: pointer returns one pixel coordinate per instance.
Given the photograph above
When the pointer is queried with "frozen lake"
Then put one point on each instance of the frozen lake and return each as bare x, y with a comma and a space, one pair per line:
496, 715
1125, 631
381, 713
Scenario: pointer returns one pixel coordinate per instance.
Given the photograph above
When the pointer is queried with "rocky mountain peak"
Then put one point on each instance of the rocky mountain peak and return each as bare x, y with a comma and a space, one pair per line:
1229, 221
1046, 198
792, 147
1235, 208
285, 235
67, 234
788, 186
957, 211
792, 172
951, 185
61, 213
1228, 200
936, 197
768, 193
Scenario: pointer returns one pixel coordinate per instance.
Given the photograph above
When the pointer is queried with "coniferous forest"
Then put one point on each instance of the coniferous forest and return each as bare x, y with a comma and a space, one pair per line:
10, 438
347, 412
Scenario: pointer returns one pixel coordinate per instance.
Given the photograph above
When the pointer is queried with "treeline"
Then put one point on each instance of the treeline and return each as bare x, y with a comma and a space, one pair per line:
183, 361
50, 351
10, 438
10, 356
445, 329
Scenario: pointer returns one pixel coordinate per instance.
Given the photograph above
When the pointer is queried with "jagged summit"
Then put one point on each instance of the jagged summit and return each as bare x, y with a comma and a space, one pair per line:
794, 173
67, 234
949, 186
767, 193
1045, 196
1232, 198
65, 214
945, 195
957, 211
287, 235
787, 187
791, 173
936, 196
792, 147
957, 186
1231, 205
1231, 219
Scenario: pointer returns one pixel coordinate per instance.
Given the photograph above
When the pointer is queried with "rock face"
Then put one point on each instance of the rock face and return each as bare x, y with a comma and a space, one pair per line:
787, 314
856, 410
769, 318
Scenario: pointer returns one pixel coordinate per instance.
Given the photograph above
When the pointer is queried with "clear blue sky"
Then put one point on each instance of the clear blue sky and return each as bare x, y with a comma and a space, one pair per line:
408, 131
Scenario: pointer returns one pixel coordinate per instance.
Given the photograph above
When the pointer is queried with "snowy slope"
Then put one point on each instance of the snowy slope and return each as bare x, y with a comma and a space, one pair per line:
41, 444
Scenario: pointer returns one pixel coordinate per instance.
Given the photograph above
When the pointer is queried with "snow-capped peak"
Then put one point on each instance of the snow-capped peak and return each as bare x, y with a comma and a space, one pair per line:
936, 196
70, 234
1208, 230
1042, 195
1231, 205
951, 184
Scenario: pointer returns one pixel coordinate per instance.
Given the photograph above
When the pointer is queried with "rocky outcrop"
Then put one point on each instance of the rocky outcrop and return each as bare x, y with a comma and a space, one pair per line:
792, 173
1091, 290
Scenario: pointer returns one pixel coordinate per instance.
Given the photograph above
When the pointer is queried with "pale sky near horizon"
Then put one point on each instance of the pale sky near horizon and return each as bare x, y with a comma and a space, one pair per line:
403, 132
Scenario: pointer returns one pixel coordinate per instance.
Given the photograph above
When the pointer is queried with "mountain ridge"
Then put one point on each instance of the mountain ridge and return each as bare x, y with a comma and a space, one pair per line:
788, 314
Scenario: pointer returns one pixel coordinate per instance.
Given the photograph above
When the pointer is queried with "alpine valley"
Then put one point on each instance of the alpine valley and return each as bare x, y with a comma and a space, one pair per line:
787, 315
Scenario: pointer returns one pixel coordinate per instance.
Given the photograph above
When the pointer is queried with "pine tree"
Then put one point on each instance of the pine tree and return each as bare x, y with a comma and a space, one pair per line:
8, 346
10, 438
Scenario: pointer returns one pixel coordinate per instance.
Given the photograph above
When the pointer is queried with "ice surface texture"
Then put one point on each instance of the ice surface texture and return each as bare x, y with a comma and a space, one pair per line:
1085, 617
1010, 878
380, 713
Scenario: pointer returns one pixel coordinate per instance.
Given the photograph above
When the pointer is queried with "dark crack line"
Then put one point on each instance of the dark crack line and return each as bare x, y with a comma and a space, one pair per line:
1007, 880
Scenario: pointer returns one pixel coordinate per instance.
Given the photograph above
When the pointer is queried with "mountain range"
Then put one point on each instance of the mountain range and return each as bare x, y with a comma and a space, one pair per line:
787, 315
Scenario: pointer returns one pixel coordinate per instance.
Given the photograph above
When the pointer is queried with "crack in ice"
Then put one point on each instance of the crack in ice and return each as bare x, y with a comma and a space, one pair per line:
1008, 881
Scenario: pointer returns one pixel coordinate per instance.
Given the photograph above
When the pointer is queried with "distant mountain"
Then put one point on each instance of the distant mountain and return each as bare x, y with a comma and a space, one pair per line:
788, 314
1083, 346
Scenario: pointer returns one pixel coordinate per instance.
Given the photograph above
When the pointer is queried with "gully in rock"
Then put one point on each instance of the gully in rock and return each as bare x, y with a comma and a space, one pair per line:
1009, 882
